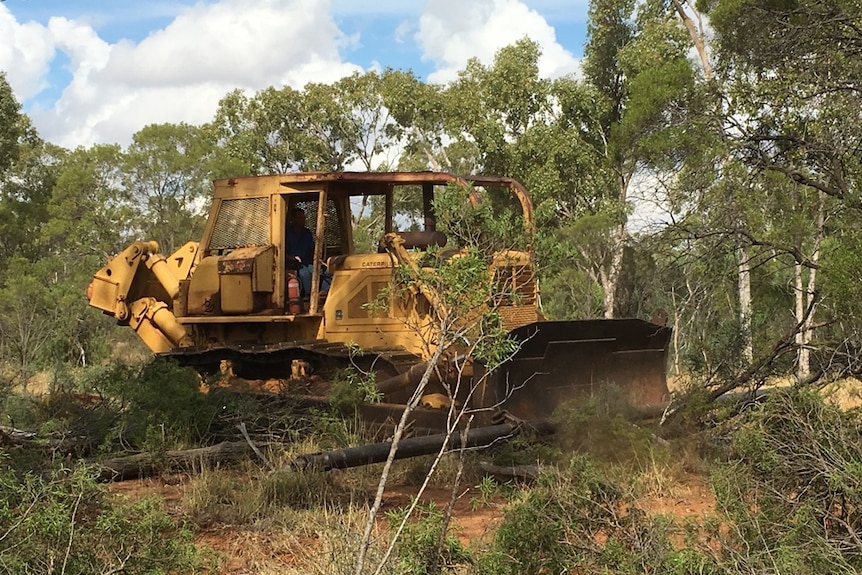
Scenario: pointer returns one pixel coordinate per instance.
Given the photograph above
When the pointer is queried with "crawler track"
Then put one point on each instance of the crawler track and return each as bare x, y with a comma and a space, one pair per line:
274, 361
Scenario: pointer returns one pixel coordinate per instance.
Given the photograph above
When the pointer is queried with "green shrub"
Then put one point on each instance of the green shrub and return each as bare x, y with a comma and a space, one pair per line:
161, 404
577, 521
351, 388
105, 407
794, 494
69, 524
600, 425
418, 550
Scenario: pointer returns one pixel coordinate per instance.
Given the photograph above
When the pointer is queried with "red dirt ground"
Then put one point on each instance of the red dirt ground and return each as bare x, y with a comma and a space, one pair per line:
244, 550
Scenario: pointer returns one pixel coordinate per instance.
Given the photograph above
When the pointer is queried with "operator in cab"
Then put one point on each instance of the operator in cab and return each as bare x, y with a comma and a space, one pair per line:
299, 247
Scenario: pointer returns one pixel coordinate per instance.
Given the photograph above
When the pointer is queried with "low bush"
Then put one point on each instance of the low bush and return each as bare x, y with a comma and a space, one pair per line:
601, 426
794, 491
577, 520
160, 395
420, 550
67, 523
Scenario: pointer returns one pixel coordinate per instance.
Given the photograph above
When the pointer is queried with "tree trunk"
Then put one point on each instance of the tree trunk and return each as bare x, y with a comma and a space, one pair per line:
805, 296
147, 464
744, 290
611, 276
696, 38
677, 369
802, 355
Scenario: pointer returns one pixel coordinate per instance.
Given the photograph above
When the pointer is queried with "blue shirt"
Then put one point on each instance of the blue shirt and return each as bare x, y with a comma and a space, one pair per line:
299, 244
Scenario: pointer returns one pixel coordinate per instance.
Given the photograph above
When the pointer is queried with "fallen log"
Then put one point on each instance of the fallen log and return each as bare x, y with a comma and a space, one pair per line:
503, 473
147, 464
10, 436
415, 446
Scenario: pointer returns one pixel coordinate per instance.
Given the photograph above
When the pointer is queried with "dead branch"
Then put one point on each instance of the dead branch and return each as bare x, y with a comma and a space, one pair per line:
147, 464
782, 346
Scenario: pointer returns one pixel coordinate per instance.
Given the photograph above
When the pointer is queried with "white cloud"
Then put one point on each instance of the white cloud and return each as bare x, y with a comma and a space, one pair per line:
179, 73
25, 52
452, 31
402, 31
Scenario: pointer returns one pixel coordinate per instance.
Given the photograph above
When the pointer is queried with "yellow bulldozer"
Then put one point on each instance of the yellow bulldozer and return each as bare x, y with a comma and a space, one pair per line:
232, 298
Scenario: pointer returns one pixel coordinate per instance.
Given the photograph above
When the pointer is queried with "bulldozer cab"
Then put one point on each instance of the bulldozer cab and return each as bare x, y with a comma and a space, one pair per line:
244, 241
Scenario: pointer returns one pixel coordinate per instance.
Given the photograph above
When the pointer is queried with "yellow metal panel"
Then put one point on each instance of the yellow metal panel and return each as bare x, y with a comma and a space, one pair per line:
264, 271
236, 293
104, 294
182, 260
204, 287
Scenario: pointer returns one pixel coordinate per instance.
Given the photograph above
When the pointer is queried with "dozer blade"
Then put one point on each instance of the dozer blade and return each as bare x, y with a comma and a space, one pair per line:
562, 360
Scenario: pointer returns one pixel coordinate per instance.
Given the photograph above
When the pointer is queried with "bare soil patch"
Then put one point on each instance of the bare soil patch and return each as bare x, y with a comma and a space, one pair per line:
247, 549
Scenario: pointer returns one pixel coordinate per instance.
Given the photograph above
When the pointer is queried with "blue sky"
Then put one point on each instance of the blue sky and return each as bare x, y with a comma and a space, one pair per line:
96, 71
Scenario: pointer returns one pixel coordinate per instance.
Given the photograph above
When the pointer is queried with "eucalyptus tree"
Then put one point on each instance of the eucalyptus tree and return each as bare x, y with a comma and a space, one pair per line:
791, 75
27, 177
282, 130
261, 134
91, 217
489, 110
90, 213
636, 61
578, 144
25, 303
371, 136
25, 191
397, 123
418, 111
10, 124
331, 135
166, 171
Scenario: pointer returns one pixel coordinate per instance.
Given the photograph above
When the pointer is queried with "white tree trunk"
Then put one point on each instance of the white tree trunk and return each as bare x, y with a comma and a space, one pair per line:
744, 289
697, 37
611, 277
802, 355
676, 364
805, 296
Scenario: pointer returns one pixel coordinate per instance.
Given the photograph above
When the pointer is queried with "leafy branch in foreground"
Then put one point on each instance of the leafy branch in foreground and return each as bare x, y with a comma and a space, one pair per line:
461, 326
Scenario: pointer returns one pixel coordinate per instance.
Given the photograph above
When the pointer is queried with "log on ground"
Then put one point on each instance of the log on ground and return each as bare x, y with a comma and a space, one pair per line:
148, 464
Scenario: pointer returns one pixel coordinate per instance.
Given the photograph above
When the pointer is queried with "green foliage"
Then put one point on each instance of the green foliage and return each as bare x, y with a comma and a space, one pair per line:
322, 127
842, 292
490, 489
90, 214
27, 315
795, 494
161, 403
600, 425
68, 523
419, 550
351, 388
576, 520
114, 407
10, 124
488, 225
526, 450
25, 191
167, 171
465, 316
